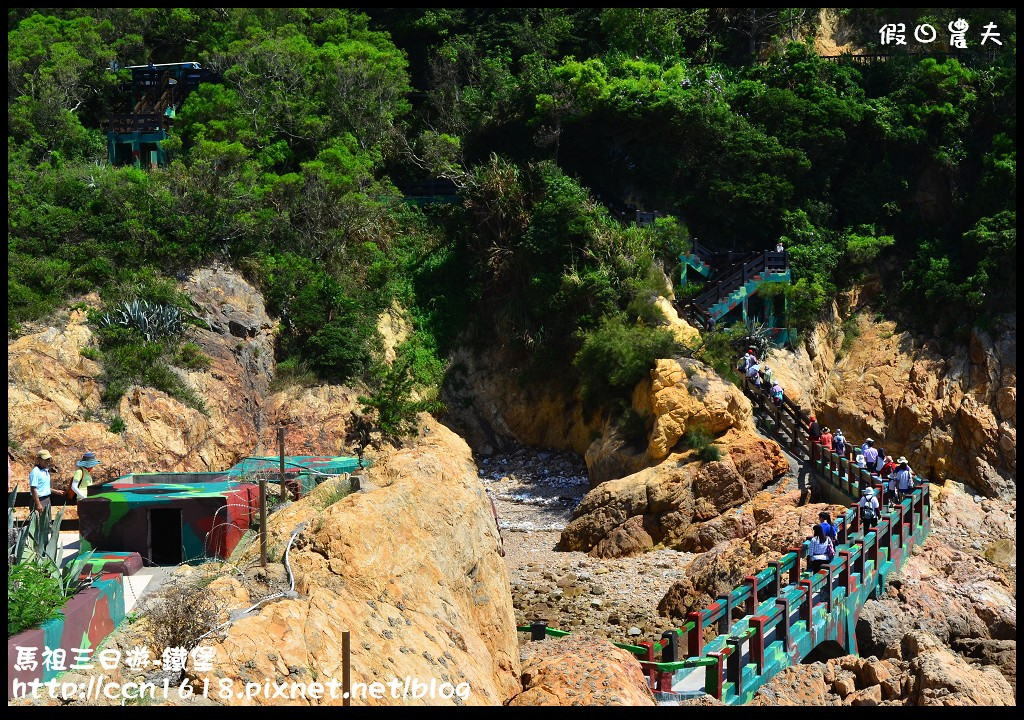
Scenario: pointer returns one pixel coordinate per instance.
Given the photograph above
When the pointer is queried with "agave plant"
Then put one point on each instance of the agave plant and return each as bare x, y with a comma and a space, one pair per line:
152, 320
758, 337
69, 576
40, 535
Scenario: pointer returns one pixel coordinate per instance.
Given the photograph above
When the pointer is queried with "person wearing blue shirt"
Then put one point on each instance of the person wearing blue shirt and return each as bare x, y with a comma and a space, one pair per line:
39, 483
828, 527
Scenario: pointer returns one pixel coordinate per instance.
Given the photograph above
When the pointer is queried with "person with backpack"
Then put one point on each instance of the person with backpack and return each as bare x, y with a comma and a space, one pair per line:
768, 376
820, 550
868, 504
754, 375
839, 443
904, 479
777, 394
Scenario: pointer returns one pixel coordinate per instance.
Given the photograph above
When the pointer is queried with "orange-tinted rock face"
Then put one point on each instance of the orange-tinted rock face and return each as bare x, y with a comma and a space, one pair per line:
410, 568
929, 674
951, 412
581, 670
54, 392
54, 396
665, 505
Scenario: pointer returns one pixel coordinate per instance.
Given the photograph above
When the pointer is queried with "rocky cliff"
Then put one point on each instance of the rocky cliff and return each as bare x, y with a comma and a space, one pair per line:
924, 673
410, 567
951, 411
496, 407
53, 394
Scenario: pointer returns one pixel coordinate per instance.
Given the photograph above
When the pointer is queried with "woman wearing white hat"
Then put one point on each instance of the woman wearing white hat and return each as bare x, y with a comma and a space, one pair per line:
868, 508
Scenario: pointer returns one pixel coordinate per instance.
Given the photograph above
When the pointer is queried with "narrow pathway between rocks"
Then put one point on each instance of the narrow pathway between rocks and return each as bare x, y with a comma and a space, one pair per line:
535, 493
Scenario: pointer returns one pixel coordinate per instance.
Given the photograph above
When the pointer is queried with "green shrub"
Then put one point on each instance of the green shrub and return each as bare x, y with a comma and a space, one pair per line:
711, 453
392, 401
192, 357
130, 359
292, 371
91, 353
116, 425
688, 292
720, 350
700, 440
851, 331
633, 426
33, 596
616, 356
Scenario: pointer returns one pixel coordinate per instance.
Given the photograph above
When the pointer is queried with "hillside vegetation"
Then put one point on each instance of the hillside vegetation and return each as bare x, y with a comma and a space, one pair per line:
290, 168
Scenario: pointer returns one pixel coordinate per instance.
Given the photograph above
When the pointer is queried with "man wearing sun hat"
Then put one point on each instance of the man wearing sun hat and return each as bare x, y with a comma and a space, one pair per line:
82, 479
39, 482
903, 478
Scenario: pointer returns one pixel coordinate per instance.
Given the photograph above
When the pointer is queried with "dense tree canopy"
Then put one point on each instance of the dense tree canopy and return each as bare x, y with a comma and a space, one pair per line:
289, 166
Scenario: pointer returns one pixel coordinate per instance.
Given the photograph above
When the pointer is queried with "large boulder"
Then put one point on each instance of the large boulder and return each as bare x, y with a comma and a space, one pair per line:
411, 568
929, 674
941, 677
678, 395
582, 670
658, 505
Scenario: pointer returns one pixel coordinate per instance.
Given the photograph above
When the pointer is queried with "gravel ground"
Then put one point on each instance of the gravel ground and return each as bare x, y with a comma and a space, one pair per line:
535, 493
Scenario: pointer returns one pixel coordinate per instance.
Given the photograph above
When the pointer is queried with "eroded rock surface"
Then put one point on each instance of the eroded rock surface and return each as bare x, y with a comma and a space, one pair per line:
927, 674
951, 413
411, 568
581, 670
661, 505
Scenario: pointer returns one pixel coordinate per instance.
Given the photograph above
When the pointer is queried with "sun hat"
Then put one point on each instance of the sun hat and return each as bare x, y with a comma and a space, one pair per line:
902, 460
44, 455
868, 491
88, 460
869, 441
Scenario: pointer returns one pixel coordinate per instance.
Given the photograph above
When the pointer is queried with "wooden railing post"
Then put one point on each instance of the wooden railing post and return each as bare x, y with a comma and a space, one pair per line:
783, 627
734, 664
751, 607
828, 586
846, 575
757, 642
794, 572
696, 640
725, 622
776, 585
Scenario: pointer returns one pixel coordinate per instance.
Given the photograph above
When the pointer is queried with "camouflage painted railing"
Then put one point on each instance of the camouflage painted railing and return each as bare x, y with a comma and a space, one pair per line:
791, 611
782, 613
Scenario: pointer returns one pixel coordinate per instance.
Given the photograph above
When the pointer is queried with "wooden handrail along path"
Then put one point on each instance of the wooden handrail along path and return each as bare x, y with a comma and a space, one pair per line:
739, 269
777, 617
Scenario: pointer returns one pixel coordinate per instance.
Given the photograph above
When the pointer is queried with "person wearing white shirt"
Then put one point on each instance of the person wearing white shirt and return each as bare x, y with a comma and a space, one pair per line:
868, 508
